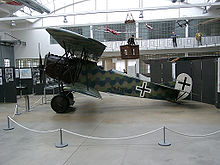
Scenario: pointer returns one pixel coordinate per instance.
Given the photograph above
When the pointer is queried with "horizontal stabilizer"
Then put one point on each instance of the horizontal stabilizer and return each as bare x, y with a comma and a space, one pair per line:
80, 88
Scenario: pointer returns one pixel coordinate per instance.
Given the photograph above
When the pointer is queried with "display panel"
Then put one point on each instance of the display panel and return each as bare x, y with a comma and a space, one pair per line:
25, 73
9, 76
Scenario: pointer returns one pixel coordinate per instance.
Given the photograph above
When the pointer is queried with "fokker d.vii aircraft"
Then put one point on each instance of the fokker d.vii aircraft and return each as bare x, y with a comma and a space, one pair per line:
79, 72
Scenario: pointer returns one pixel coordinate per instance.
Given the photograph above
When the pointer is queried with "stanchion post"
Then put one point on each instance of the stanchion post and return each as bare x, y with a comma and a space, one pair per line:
61, 145
42, 99
9, 127
27, 103
164, 143
45, 97
16, 110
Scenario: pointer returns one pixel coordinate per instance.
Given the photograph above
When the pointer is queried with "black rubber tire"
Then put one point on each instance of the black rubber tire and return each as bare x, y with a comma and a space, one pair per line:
69, 95
60, 103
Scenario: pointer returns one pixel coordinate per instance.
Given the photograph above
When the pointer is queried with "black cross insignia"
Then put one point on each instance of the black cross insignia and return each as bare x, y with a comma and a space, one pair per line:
184, 83
143, 89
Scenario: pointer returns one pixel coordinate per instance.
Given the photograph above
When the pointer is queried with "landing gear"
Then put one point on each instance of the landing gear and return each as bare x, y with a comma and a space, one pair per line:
63, 102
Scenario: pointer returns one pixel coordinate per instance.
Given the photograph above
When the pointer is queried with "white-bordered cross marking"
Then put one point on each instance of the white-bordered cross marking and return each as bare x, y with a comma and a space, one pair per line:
143, 89
184, 83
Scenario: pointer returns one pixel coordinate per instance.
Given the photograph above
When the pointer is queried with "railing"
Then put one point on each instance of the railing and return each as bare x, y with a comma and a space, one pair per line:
152, 44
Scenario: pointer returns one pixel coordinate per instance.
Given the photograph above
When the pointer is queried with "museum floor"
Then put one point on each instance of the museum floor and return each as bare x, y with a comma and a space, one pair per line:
114, 116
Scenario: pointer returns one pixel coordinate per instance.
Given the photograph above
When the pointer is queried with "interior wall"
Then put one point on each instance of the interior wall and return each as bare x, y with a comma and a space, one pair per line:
6, 52
32, 38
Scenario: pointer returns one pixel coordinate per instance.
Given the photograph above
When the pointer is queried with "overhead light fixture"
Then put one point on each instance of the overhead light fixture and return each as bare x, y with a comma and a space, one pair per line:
141, 14
205, 11
65, 20
13, 23
174, 1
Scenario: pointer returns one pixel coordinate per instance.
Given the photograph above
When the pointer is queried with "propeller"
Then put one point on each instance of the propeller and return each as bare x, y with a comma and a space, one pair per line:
41, 66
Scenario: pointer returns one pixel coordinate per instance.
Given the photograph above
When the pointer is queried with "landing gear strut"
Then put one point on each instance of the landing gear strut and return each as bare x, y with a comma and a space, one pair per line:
63, 102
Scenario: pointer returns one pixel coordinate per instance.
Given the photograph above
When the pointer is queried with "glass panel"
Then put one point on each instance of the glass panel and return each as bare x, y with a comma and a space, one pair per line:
7, 62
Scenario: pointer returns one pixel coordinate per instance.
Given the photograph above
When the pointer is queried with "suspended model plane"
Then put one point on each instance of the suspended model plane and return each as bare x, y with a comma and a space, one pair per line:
108, 30
77, 71
182, 23
33, 4
149, 26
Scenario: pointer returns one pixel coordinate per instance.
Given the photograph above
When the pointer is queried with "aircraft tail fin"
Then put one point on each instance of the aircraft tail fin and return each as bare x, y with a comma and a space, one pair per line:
184, 85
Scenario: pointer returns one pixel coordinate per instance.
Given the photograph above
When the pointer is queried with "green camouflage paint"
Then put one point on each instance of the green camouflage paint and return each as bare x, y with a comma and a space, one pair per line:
120, 83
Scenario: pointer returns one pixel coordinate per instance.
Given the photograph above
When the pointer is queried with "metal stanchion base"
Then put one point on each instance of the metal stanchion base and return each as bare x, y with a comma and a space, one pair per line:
18, 113
29, 110
16, 110
61, 145
164, 144
7, 129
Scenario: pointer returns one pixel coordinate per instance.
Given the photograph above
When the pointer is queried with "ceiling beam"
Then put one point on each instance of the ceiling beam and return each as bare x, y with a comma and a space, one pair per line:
4, 10
111, 11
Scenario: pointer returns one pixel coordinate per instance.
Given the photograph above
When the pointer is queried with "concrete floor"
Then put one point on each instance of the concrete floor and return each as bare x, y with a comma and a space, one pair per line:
114, 116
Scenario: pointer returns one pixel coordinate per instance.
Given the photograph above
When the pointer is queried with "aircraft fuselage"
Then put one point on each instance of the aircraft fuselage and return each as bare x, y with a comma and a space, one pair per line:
86, 72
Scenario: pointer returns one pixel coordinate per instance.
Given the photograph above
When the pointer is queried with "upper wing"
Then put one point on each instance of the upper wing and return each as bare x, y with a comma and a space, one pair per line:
76, 43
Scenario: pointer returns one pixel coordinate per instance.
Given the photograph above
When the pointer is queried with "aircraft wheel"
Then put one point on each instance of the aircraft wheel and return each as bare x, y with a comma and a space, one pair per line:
60, 103
70, 96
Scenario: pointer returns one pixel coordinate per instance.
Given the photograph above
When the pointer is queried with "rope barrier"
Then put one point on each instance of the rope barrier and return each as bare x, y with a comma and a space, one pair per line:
36, 103
61, 144
32, 130
85, 136
113, 138
187, 135
15, 111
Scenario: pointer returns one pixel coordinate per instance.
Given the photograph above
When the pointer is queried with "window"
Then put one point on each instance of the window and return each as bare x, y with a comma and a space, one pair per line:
105, 32
162, 29
7, 62
28, 63
211, 28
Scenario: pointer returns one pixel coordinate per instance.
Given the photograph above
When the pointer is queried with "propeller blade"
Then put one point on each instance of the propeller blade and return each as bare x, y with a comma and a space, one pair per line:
41, 66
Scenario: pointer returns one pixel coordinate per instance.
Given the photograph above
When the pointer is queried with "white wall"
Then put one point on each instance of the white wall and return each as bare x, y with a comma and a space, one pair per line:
32, 38
2, 35
120, 65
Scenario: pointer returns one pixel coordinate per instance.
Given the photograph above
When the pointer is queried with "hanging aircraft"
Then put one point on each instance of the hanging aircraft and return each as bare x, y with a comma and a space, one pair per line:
108, 30
149, 26
33, 4
182, 23
208, 21
77, 71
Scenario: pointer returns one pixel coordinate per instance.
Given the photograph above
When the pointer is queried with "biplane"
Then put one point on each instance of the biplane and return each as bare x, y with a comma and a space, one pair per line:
77, 71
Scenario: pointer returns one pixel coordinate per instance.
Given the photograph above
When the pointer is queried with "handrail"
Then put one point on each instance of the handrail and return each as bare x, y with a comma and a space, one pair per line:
167, 43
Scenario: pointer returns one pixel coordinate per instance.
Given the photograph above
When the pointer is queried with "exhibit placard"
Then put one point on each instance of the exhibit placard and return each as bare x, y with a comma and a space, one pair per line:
9, 76
25, 73
17, 73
